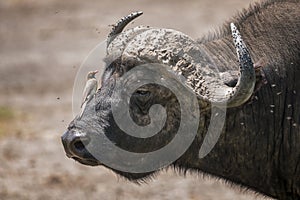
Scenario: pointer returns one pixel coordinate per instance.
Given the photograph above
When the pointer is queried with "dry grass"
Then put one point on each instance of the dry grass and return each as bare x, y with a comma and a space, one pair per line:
7, 117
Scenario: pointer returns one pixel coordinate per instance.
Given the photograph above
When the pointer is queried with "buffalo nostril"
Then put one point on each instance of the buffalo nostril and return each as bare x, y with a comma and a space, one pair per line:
79, 143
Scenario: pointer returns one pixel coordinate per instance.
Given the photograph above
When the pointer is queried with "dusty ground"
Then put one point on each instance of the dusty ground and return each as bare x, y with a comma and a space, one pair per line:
42, 46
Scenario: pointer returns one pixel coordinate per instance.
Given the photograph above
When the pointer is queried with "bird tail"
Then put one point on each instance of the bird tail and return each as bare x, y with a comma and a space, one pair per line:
83, 105
84, 100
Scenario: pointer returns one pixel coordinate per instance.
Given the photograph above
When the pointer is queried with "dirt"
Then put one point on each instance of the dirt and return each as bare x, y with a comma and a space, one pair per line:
42, 46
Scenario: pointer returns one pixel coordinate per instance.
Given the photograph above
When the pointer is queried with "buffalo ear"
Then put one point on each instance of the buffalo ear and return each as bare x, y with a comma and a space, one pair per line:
230, 78
260, 64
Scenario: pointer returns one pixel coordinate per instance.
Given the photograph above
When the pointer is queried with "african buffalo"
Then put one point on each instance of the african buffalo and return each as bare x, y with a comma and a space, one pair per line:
259, 144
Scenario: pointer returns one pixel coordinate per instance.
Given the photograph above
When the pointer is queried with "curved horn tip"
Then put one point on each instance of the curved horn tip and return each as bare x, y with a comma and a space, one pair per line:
232, 26
137, 13
125, 20
239, 44
120, 25
235, 33
246, 81
131, 16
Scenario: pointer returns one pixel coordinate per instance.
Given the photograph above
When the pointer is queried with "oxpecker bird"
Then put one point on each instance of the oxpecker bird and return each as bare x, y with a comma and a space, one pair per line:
89, 89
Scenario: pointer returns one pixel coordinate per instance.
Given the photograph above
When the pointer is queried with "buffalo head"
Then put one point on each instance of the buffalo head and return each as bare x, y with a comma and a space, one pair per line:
177, 59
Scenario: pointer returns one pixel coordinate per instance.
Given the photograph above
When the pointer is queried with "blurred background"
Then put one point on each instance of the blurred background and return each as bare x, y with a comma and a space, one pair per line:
42, 44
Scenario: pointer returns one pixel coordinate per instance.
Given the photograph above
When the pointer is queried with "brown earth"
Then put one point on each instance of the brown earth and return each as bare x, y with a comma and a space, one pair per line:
42, 46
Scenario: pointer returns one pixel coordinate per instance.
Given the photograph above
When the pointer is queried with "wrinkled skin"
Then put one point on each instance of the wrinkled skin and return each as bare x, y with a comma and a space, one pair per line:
259, 145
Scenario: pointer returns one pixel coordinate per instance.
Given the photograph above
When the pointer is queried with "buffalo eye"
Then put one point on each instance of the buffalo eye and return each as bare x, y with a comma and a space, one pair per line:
140, 103
142, 96
142, 93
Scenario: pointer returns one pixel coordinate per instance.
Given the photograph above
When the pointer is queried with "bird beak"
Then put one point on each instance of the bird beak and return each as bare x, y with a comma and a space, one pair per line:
96, 71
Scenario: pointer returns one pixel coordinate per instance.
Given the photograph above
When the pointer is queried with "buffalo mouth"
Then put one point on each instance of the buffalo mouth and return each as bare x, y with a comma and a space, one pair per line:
90, 162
